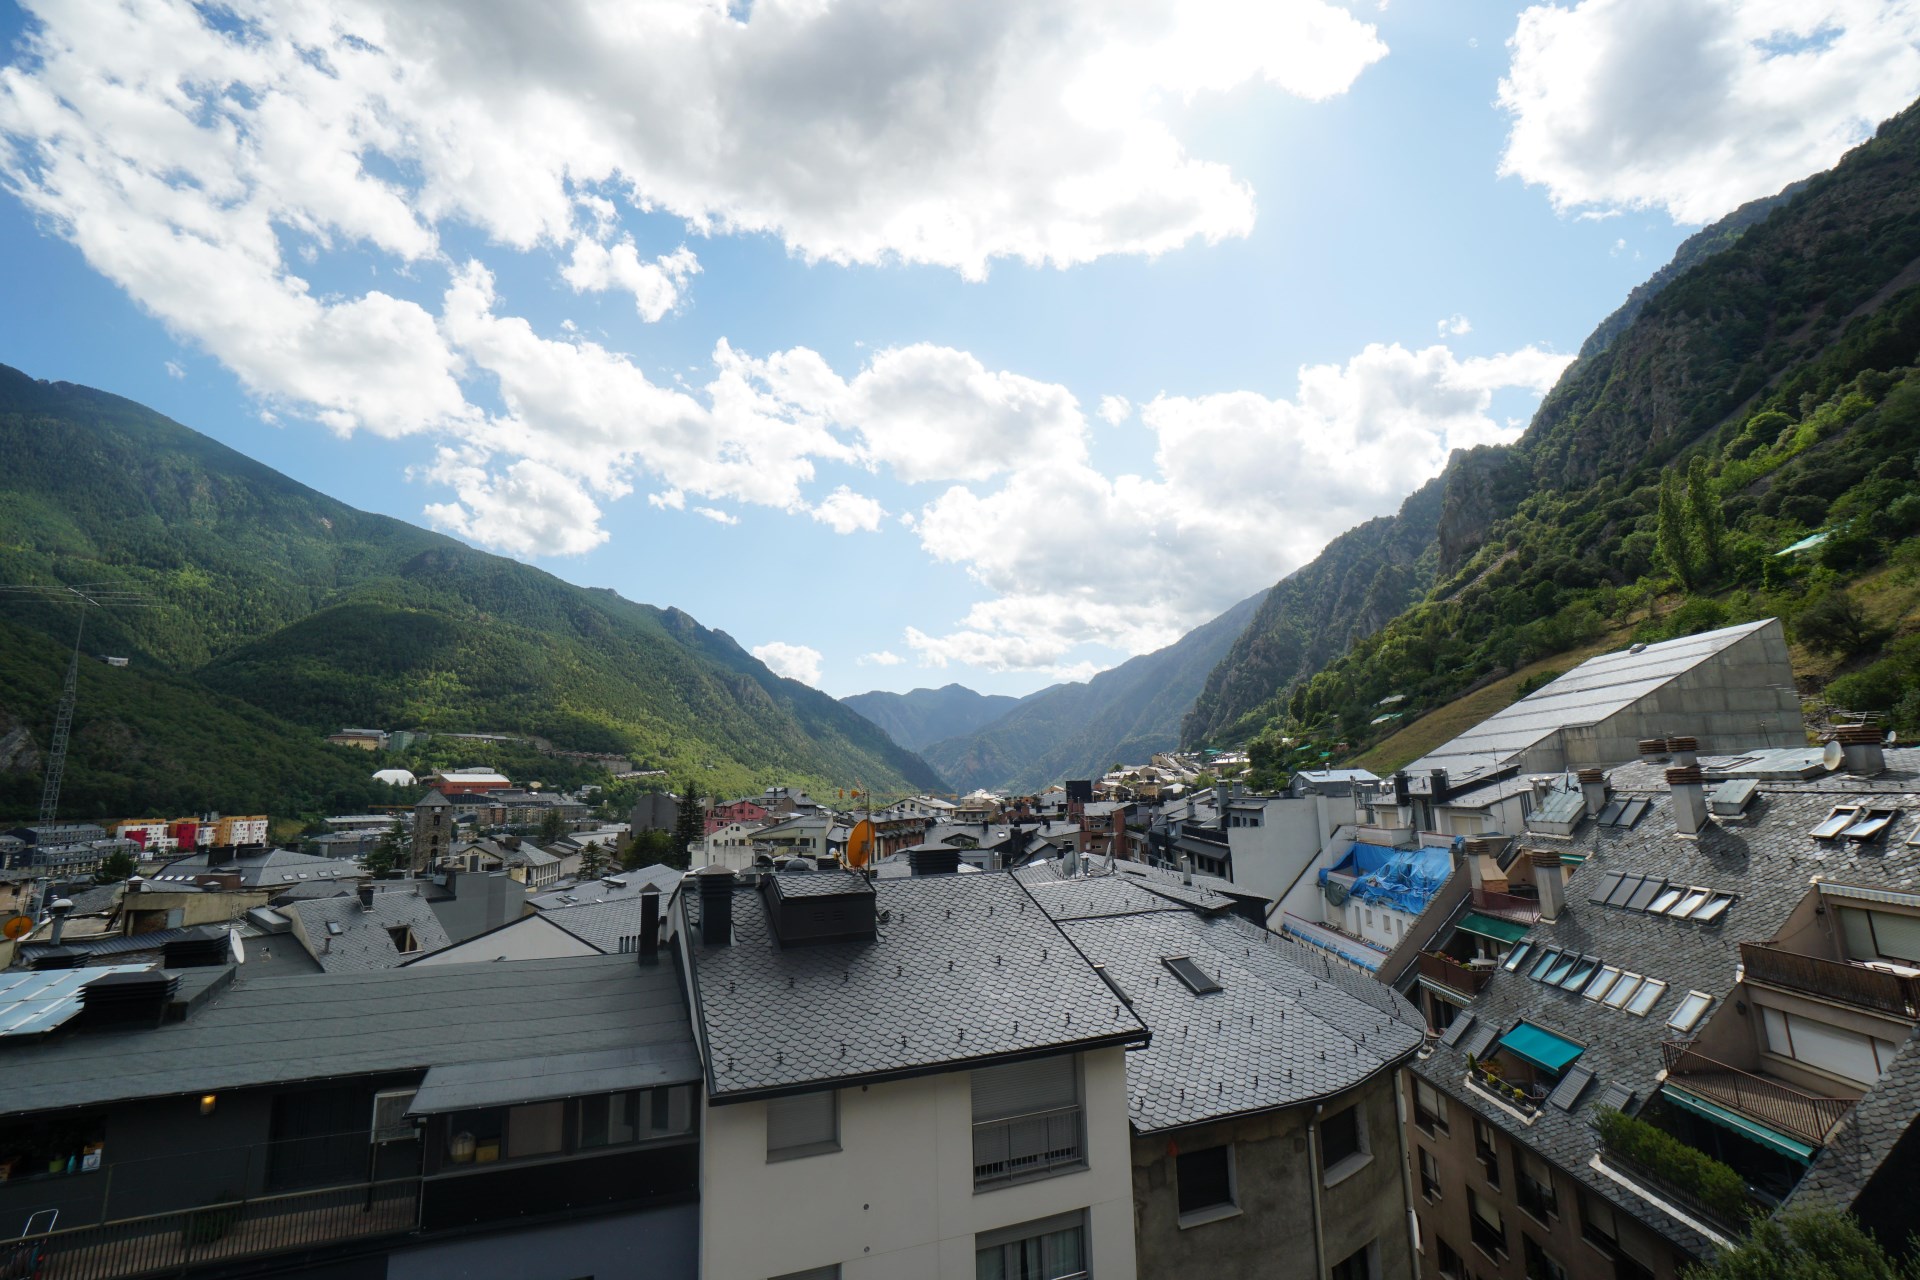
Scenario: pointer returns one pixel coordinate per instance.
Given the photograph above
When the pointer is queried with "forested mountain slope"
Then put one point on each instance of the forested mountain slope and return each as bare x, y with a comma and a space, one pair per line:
922, 716
1766, 396
268, 592
1078, 730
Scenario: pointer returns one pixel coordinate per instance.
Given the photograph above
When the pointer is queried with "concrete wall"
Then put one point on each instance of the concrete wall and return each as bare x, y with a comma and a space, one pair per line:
1273, 1234
1267, 859
897, 1202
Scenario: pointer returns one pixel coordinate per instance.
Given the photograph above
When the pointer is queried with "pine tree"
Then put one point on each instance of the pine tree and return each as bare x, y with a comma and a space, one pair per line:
388, 853
593, 860
689, 825
1671, 532
1709, 524
117, 866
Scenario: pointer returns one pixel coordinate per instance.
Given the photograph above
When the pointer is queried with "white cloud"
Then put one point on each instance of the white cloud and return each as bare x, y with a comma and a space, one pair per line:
1695, 106
527, 508
716, 515
175, 370
1115, 410
880, 658
1455, 326
655, 285
794, 661
845, 511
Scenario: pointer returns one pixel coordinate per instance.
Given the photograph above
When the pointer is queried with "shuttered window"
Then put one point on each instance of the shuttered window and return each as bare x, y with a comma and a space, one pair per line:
804, 1125
1023, 1088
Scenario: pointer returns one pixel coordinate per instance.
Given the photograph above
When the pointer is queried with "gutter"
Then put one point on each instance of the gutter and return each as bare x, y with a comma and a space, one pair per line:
1313, 1189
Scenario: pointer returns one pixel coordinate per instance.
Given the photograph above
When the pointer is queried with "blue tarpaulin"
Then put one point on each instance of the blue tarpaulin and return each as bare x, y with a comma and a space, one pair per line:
1402, 878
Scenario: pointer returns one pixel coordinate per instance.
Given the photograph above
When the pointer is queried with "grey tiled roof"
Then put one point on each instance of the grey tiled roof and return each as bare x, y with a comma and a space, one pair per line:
602, 925
277, 1030
270, 868
1764, 856
363, 943
632, 884
965, 969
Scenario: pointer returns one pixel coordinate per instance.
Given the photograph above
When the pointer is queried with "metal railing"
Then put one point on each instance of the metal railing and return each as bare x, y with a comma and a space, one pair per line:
1677, 1192
1027, 1146
1804, 1115
167, 1243
1508, 906
1833, 979
1437, 967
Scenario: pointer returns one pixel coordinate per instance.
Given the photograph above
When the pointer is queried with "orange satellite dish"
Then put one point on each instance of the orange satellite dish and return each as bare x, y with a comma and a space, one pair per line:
17, 928
860, 844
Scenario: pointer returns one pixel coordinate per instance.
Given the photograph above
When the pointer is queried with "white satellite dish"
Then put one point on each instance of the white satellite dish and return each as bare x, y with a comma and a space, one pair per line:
1833, 756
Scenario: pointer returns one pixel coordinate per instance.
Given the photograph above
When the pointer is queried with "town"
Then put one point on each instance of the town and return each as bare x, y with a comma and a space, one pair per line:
1571, 996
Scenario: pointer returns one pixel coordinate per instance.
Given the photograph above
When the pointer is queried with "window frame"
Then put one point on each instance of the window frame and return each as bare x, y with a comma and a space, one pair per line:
1200, 1215
804, 1150
1039, 1228
1335, 1171
1438, 1120
1430, 1188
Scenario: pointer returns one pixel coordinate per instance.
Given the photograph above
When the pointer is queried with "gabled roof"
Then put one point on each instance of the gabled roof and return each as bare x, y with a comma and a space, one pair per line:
362, 942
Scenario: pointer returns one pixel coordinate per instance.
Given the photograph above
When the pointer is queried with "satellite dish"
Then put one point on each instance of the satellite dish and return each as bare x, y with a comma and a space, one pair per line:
17, 928
860, 844
1893, 737
1833, 756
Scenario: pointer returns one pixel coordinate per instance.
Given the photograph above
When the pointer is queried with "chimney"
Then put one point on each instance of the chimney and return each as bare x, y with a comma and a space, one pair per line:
1593, 786
366, 896
1653, 750
1550, 880
933, 862
650, 924
1222, 803
1686, 751
1865, 751
1688, 785
1186, 869
1471, 856
59, 907
1440, 791
716, 907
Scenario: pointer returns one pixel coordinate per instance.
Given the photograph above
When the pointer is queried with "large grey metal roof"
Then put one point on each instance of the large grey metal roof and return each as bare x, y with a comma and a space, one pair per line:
458, 1086
262, 1031
1596, 689
965, 969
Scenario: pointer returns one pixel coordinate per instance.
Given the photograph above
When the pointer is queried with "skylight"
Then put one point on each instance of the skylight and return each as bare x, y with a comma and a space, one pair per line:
1623, 990
333, 927
1839, 819
1871, 825
1197, 979
1687, 1015
1519, 954
1609, 975
1646, 997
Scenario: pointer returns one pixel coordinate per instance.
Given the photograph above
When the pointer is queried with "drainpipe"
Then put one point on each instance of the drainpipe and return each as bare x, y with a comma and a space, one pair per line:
1313, 1188
1406, 1168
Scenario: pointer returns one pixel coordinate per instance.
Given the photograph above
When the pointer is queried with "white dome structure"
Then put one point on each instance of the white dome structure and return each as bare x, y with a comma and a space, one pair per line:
395, 777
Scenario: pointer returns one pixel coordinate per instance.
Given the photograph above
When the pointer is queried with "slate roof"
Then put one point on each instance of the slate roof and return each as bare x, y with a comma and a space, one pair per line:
261, 1031
966, 970
631, 885
363, 943
1766, 857
603, 925
266, 869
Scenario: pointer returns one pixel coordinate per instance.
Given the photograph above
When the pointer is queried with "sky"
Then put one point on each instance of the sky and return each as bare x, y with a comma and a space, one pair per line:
906, 342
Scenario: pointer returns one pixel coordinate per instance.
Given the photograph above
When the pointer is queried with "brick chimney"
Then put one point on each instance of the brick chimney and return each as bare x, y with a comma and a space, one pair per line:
1686, 751
1865, 750
1593, 788
1550, 880
1689, 789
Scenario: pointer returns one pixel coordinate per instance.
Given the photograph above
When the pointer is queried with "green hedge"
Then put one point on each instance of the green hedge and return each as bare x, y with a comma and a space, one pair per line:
1714, 1184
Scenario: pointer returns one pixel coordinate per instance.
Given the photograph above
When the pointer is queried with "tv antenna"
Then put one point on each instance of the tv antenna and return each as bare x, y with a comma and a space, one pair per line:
88, 595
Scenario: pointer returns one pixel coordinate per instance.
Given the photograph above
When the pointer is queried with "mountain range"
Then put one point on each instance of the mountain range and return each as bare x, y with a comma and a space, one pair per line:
919, 717
276, 614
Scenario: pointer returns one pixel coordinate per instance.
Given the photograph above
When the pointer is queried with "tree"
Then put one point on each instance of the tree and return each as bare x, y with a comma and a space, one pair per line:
1709, 524
593, 860
689, 825
1834, 623
1806, 1244
552, 825
117, 867
1671, 532
390, 852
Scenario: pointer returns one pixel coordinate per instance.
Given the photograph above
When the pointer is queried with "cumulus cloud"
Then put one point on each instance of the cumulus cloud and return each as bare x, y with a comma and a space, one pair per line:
879, 658
845, 511
794, 661
1115, 410
655, 285
1454, 326
716, 515
1696, 106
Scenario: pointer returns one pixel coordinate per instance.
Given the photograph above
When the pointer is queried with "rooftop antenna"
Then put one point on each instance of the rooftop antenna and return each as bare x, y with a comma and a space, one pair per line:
90, 595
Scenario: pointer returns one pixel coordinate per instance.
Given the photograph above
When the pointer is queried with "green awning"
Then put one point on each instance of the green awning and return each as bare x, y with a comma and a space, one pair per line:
1543, 1049
1489, 927
1751, 1130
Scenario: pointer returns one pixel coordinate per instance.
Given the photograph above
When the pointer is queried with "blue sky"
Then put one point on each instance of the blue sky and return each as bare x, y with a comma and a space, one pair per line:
385, 249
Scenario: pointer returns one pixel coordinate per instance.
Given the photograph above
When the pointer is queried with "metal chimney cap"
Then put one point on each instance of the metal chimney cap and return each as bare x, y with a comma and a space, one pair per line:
60, 906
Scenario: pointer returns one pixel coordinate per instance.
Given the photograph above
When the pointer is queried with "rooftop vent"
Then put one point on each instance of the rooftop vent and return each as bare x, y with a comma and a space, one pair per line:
830, 906
1653, 750
1863, 749
204, 948
934, 862
127, 999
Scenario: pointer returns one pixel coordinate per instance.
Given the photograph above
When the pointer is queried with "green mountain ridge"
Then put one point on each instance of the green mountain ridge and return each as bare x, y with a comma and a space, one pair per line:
269, 595
920, 717
1774, 383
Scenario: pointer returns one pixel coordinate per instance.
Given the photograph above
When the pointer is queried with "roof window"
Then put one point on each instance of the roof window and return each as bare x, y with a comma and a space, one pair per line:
1196, 978
1692, 1007
1838, 819
1870, 825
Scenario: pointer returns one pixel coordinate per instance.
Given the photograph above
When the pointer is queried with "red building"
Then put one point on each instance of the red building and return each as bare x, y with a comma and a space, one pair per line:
742, 810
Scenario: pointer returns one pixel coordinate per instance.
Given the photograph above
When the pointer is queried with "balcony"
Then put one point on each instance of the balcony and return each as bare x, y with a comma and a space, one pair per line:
1508, 906
1802, 1115
1027, 1146
1523, 1096
170, 1243
1438, 967
1857, 985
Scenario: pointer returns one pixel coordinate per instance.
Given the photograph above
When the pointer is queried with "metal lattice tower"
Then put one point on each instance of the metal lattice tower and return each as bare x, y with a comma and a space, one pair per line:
88, 596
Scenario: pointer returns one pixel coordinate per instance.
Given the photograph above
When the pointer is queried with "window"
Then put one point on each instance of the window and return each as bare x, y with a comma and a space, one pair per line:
1489, 1229
1837, 820
1206, 1187
639, 1115
1623, 990
1429, 1108
1540, 1264
1596, 1222
1687, 1015
506, 1133
1646, 997
1609, 975
1447, 1261
1051, 1249
806, 1124
1343, 1144
1486, 1149
403, 940
44, 1148
1518, 954
1853, 1055
1429, 1174
1357, 1265
1026, 1121
1534, 1187
1880, 935
1198, 980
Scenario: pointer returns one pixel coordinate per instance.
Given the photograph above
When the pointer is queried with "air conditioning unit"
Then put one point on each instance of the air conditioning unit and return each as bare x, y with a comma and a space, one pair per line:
390, 1122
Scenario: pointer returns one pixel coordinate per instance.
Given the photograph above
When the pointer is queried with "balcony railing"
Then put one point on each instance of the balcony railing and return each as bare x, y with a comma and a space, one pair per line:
1834, 980
170, 1243
1508, 906
1523, 1097
1679, 1193
1028, 1146
1804, 1115
1453, 975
